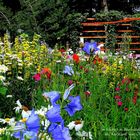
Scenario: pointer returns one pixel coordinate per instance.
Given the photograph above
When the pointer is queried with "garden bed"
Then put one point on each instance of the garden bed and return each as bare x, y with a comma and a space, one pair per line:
61, 94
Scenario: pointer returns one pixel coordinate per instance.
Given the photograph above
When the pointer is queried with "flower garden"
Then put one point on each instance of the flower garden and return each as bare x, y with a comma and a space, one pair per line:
57, 94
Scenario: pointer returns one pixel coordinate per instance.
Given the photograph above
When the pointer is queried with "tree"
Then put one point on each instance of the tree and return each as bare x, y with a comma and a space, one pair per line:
5, 18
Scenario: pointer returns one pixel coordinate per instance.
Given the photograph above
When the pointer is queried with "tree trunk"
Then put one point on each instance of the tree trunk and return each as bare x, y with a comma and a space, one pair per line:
104, 5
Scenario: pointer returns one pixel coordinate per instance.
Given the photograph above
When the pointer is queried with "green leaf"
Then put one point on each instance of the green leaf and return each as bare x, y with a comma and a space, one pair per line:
3, 90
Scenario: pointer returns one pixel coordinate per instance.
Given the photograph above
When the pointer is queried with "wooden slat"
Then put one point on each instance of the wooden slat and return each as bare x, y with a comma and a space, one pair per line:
125, 31
131, 49
91, 19
91, 24
98, 31
128, 36
102, 24
94, 31
106, 36
125, 24
132, 43
93, 36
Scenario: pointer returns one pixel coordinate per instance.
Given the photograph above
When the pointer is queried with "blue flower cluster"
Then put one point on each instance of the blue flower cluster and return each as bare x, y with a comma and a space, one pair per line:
90, 48
58, 131
29, 129
57, 128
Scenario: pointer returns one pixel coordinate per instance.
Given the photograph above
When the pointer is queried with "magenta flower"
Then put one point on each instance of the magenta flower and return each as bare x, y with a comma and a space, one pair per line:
117, 89
119, 103
70, 82
117, 97
37, 77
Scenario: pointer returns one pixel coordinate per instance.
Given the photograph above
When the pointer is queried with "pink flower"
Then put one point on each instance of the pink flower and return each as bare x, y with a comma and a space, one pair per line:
117, 97
37, 77
126, 81
125, 109
87, 93
119, 103
117, 88
70, 82
127, 89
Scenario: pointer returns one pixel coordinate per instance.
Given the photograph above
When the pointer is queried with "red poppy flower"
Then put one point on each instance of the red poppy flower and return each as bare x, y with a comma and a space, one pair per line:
76, 58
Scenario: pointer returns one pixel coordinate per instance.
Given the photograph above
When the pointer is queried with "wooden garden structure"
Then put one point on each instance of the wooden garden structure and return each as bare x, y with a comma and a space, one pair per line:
97, 31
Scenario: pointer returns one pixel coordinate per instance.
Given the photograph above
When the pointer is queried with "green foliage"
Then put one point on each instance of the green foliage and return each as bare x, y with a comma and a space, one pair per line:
136, 23
19, 90
53, 20
111, 37
5, 18
109, 16
3, 90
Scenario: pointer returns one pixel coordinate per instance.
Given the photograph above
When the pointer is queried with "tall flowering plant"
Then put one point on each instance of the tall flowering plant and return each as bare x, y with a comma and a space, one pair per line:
57, 128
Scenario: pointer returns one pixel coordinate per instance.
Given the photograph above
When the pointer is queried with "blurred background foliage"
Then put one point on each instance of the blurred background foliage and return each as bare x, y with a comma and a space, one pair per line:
59, 21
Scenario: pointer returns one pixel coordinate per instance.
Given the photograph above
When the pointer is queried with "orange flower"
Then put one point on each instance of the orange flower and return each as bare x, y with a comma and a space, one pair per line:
76, 58
97, 60
47, 72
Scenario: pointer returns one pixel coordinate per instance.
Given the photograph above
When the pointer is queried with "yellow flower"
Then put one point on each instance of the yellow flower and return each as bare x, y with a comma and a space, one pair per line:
24, 120
2, 130
7, 119
111, 84
121, 67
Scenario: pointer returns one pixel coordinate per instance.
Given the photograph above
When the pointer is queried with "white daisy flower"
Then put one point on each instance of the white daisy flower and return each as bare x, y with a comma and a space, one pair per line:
84, 134
18, 107
3, 69
20, 78
9, 96
76, 124
2, 78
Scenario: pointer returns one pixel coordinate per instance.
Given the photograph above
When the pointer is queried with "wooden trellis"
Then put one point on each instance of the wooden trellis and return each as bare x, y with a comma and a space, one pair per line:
96, 30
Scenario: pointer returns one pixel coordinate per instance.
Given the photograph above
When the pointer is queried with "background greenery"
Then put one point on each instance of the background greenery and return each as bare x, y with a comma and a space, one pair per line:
58, 21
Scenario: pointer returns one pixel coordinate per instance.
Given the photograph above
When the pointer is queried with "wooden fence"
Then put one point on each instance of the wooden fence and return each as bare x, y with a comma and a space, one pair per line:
96, 31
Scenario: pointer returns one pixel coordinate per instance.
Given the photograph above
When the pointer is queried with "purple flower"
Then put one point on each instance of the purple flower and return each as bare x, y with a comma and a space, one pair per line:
59, 132
33, 122
53, 114
90, 48
31, 135
30, 130
67, 91
20, 128
53, 95
68, 70
74, 105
